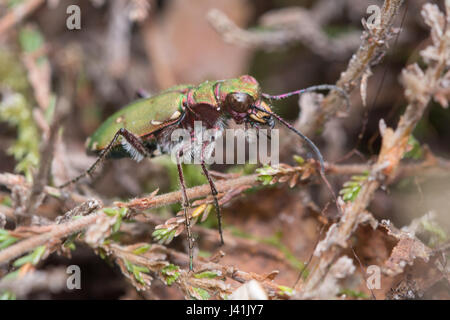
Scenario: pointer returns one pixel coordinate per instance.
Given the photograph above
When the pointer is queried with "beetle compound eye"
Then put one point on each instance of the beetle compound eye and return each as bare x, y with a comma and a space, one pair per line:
239, 102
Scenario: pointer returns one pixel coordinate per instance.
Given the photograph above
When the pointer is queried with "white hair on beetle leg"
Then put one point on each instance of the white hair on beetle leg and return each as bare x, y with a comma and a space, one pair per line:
132, 151
210, 147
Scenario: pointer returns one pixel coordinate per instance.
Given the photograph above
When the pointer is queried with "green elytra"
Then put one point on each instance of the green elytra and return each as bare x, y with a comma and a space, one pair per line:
145, 116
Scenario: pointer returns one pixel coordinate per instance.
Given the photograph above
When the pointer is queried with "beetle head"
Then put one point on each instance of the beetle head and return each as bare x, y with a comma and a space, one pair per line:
240, 98
239, 102
241, 107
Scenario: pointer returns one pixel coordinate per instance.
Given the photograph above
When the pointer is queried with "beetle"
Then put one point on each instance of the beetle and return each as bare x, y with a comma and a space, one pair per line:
143, 128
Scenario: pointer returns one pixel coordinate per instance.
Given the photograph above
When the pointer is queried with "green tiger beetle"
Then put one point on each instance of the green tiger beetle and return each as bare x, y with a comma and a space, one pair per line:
143, 128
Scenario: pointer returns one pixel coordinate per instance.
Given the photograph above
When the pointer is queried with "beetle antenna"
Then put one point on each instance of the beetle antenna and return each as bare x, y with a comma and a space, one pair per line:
309, 142
311, 89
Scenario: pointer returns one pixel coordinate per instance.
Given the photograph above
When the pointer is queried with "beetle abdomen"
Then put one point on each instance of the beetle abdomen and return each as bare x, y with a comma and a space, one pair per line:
141, 118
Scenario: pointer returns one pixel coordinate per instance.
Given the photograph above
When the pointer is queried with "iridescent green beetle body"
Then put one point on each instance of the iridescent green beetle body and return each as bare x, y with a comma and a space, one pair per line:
179, 106
144, 128
142, 117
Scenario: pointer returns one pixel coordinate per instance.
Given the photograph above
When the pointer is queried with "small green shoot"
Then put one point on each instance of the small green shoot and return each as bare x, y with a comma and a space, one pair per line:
265, 174
163, 236
300, 161
207, 275
414, 149
353, 294
32, 258
286, 290
136, 271
351, 188
171, 273
141, 250
200, 294
120, 213
6, 239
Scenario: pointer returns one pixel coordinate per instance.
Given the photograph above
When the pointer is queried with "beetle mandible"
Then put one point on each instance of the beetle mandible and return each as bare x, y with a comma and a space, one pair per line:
143, 128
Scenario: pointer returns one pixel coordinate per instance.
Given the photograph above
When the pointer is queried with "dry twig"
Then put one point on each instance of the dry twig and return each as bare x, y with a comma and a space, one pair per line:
373, 46
17, 14
420, 87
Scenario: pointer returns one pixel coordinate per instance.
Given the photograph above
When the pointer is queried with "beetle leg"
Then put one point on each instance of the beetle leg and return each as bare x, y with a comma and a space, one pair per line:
133, 143
185, 205
262, 132
214, 194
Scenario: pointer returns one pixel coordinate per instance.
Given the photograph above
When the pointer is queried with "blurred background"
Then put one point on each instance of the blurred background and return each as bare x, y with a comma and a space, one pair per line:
125, 46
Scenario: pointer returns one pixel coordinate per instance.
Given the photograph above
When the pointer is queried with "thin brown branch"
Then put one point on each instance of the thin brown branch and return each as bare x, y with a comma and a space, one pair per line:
63, 230
41, 178
58, 232
373, 46
419, 89
193, 193
17, 14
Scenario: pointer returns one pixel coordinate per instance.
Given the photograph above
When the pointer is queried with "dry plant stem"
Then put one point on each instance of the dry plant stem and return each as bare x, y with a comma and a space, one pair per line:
431, 165
63, 230
17, 14
393, 147
59, 231
10, 180
42, 176
192, 193
372, 47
